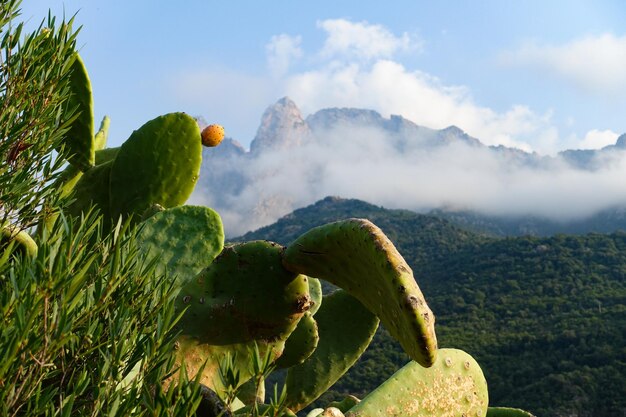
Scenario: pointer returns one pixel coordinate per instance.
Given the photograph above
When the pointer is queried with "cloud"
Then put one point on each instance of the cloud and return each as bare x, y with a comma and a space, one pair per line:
596, 139
390, 88
594, 64
367, 164
281, 51
362, 40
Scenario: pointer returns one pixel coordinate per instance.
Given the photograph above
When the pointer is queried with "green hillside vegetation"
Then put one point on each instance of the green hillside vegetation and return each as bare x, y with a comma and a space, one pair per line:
545, 317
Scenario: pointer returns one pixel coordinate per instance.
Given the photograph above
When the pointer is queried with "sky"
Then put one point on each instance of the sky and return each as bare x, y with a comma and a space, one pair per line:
540, 76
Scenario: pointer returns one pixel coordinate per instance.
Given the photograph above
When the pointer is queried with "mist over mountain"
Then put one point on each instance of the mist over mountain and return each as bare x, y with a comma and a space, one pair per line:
295, 160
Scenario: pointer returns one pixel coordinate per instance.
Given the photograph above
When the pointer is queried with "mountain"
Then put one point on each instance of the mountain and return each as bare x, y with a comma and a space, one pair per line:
295, 160
544, 317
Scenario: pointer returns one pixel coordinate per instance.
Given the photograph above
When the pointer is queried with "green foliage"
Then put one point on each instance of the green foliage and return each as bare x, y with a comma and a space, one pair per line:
86, 330
34, 70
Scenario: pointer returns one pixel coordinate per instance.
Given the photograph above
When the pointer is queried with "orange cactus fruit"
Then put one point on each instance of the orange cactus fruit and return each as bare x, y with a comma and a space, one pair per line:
212, 135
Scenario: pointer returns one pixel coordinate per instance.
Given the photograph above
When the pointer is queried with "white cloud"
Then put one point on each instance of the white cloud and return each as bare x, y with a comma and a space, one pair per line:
366, 164
390, 88
363, 40
281, 51
596, 139
593, 63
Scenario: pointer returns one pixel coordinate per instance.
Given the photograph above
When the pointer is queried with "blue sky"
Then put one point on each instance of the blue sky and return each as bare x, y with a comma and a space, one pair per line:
538, 75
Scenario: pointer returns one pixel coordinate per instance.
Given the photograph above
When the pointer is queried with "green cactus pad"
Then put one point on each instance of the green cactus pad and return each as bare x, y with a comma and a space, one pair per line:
263, 410
301, 343
315, 290
346, 328
244, 297
184, 239
80, 140
92, 188
106, 155
356, 255
102, 135
507, 412
249, 394
21, 240
159, 163
345, 404
454, 386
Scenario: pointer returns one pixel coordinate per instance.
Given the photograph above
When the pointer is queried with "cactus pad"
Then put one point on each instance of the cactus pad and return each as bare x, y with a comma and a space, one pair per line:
184, 239
22, 241
159, 163
100, 139
346, 328
454, 386
356, 255
244, 297
315, 290
507, 412
80, 139
301, 343
92, 188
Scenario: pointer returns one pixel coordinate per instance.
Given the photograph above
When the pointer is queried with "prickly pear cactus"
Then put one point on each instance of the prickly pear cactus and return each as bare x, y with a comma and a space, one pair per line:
301, 343
244, 297
159, 163
79, 138
20, 239
454, 386
356, 255
183, 239
346, 328
101, 137
507, 412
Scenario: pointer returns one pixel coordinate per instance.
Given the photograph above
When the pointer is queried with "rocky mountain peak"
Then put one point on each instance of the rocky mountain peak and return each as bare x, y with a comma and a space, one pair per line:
621, 141
282, 126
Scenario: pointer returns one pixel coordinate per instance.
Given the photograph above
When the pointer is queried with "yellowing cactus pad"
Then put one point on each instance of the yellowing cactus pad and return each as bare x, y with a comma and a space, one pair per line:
212, 135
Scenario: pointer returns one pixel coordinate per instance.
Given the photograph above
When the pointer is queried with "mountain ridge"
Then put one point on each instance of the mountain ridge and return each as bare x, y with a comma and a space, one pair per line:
296, 160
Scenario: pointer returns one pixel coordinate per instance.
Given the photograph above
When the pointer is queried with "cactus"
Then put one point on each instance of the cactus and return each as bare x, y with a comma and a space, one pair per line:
301, 343
244, 297
315, 290
101, 137
159, 163
183, 239
357, 256
346, 328
453, 386
507, 412
347, 403
20, 240
80, 140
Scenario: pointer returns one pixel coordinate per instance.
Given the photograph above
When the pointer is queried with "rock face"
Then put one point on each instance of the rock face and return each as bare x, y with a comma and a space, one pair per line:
282, 127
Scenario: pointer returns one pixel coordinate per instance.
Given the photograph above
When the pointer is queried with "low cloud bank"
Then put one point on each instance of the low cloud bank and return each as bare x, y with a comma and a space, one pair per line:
250, 192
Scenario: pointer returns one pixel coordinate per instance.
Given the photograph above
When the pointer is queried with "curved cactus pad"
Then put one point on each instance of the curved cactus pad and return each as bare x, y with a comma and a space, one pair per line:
92, 189
102, 135
183, 239
507, 412
244, 297
346, 328
159, 163
454, 386
356, 255
22, 241
315, 289
301, 343
80, 139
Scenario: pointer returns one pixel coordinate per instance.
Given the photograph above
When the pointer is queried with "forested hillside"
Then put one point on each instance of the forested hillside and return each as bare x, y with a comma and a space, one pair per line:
545, 317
